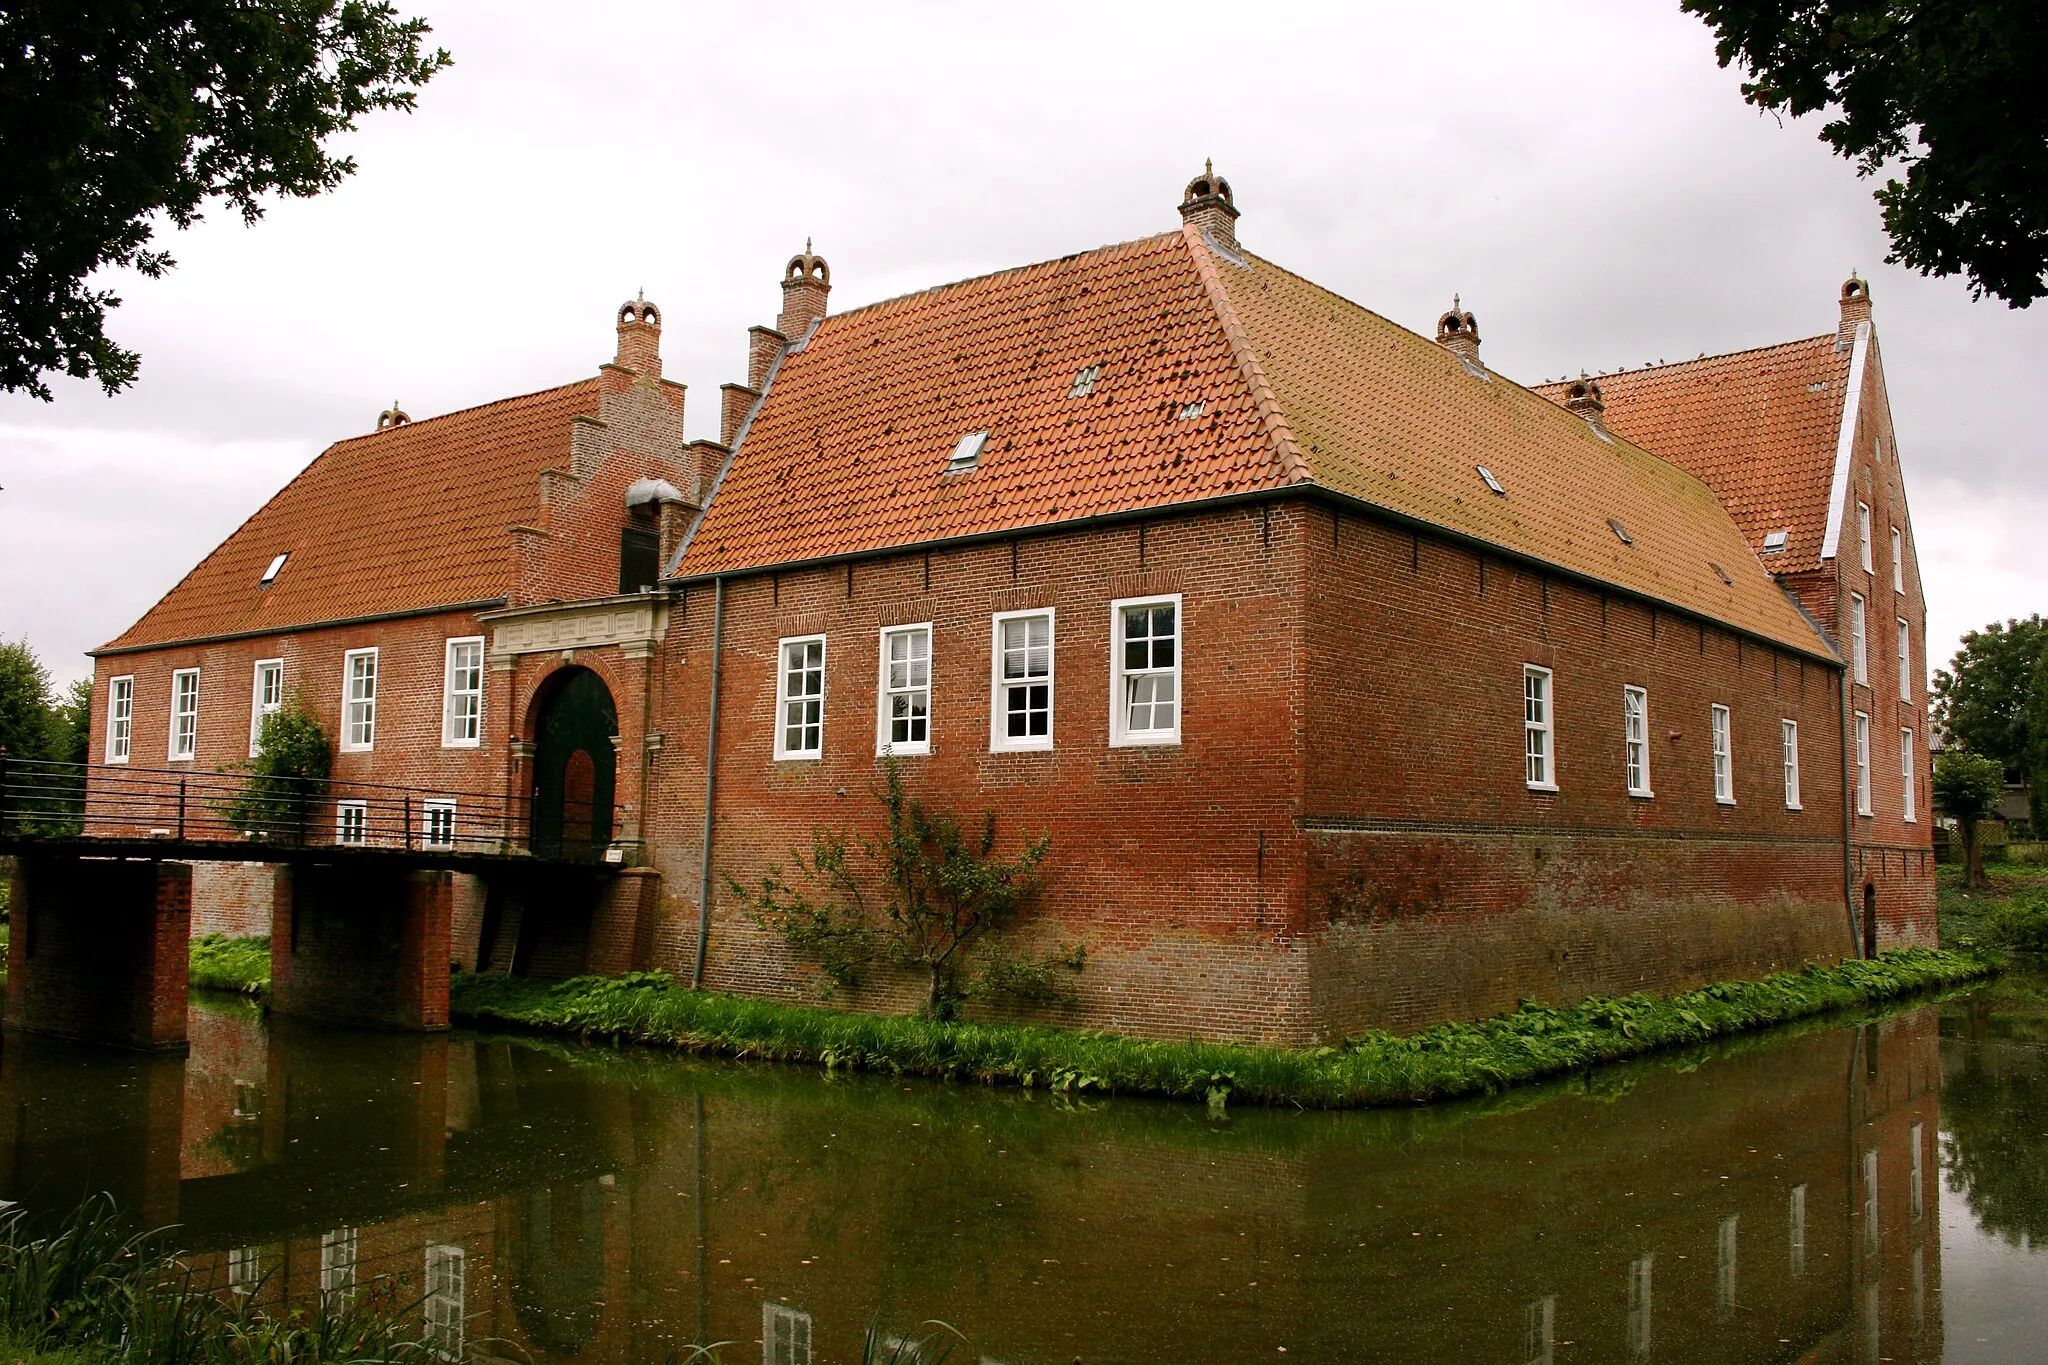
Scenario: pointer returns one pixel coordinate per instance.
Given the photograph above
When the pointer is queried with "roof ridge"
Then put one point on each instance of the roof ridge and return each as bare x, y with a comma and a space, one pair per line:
458, 412
1696, 360
995, 274
1273, 421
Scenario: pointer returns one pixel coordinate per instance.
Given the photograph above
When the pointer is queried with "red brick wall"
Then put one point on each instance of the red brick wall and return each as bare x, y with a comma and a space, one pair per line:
362, 946
231, 899
1347, 802
1449, 888
1894, 857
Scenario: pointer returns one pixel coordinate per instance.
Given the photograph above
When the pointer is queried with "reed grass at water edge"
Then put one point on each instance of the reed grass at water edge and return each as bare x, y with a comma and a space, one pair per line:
1444, 1062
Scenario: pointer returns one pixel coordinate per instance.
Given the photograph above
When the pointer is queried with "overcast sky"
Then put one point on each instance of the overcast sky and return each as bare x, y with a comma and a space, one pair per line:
1587, 178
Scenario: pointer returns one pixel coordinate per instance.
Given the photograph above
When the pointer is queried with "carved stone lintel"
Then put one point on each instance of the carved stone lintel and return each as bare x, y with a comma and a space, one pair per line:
636, 622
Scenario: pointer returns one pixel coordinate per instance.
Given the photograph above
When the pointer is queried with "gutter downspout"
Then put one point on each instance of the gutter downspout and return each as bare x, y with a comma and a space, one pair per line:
710, 786
1842, 705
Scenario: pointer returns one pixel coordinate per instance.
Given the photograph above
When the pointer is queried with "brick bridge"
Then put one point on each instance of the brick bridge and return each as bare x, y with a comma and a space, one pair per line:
100, 918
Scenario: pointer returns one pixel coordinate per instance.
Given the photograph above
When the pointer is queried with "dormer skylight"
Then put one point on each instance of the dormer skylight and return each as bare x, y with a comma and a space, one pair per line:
1084, 382
1491, 482
1624, 536
967, 454
1774, 543
276, 566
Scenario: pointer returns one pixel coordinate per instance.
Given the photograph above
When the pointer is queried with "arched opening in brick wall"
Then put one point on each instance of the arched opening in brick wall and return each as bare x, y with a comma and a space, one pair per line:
574, 765
1869, 920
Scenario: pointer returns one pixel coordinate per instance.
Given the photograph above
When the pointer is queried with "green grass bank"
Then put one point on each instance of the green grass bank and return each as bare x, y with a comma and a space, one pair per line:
1445, 1062
2010, 912
240, 966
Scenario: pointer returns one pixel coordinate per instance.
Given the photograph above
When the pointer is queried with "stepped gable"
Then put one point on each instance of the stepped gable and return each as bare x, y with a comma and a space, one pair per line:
850, 450
1758, 426
412, 516
1220, 374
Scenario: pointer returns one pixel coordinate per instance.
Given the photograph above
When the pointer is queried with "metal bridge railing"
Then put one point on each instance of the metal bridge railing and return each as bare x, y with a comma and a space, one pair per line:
116, 801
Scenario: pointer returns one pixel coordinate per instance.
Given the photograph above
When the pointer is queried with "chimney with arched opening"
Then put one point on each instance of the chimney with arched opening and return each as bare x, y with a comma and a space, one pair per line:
806, 280
1855, 309
639, 338
1458, 333
1208, 205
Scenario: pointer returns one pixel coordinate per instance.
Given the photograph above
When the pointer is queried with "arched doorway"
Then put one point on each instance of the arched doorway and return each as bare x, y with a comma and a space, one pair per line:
574, 764
1869, 920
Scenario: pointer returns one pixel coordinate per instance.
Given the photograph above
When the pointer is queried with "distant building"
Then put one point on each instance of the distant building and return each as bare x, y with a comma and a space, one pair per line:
1356, 684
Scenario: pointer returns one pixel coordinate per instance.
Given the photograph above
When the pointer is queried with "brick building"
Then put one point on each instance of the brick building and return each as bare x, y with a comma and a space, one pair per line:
1355, 683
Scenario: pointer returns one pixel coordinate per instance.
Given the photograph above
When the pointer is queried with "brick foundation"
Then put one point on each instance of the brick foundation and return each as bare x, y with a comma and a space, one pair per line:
362, 947
98, 950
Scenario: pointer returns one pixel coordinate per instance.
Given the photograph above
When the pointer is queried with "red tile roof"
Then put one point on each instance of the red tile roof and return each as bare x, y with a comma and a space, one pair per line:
408, 518
848, 452
1759, 427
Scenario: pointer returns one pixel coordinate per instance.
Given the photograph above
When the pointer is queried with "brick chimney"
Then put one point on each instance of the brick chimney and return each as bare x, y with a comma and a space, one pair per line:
806, 280
1583, 398
1855, 309
1458, 333
1207, 204
639, 338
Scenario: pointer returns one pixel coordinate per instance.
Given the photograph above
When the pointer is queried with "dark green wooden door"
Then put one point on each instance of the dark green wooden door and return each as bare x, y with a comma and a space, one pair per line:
574, 764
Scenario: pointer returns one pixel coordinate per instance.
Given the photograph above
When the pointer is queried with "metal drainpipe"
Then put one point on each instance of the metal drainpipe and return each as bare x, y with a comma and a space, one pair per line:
1843, 700
710, 786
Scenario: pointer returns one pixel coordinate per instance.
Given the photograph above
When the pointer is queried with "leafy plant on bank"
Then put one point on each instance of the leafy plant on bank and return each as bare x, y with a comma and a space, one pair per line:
237, 965
287, 776
929, 895
1448, 1061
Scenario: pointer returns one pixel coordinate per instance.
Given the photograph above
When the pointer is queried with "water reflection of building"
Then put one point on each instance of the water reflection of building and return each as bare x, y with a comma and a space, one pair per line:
1777, 1201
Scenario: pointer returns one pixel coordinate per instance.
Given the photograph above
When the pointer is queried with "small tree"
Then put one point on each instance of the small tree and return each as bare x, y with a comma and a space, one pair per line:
1968, 786
288, 774
932, 896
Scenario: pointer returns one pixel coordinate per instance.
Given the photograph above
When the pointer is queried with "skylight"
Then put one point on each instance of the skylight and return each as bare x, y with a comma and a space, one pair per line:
1774, 543
967, 454
1615, 527
1084, 382
270, 574
1192, 411
1491, 482
1722, 572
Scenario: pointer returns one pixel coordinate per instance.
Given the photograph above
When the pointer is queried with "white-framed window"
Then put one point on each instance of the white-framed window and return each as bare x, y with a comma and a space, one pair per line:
351, 822
1020, 655
359, 700
437, 822
1908, 797
1862, 764
1859, 646
1863, 532
338, 1264
1540, 770
785, 1335
266, 697
184, 713
903, 702
120, 717
1790, 732
1905, 660
446, 1306
1144, 670
462, 694
1898, 561
1635, 720
800, 697
1724, 758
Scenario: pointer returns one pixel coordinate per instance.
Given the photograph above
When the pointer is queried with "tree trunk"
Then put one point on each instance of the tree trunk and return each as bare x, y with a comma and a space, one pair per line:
935, 992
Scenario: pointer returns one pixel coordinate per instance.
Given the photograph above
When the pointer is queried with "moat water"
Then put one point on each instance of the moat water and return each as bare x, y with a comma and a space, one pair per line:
1854, 1192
